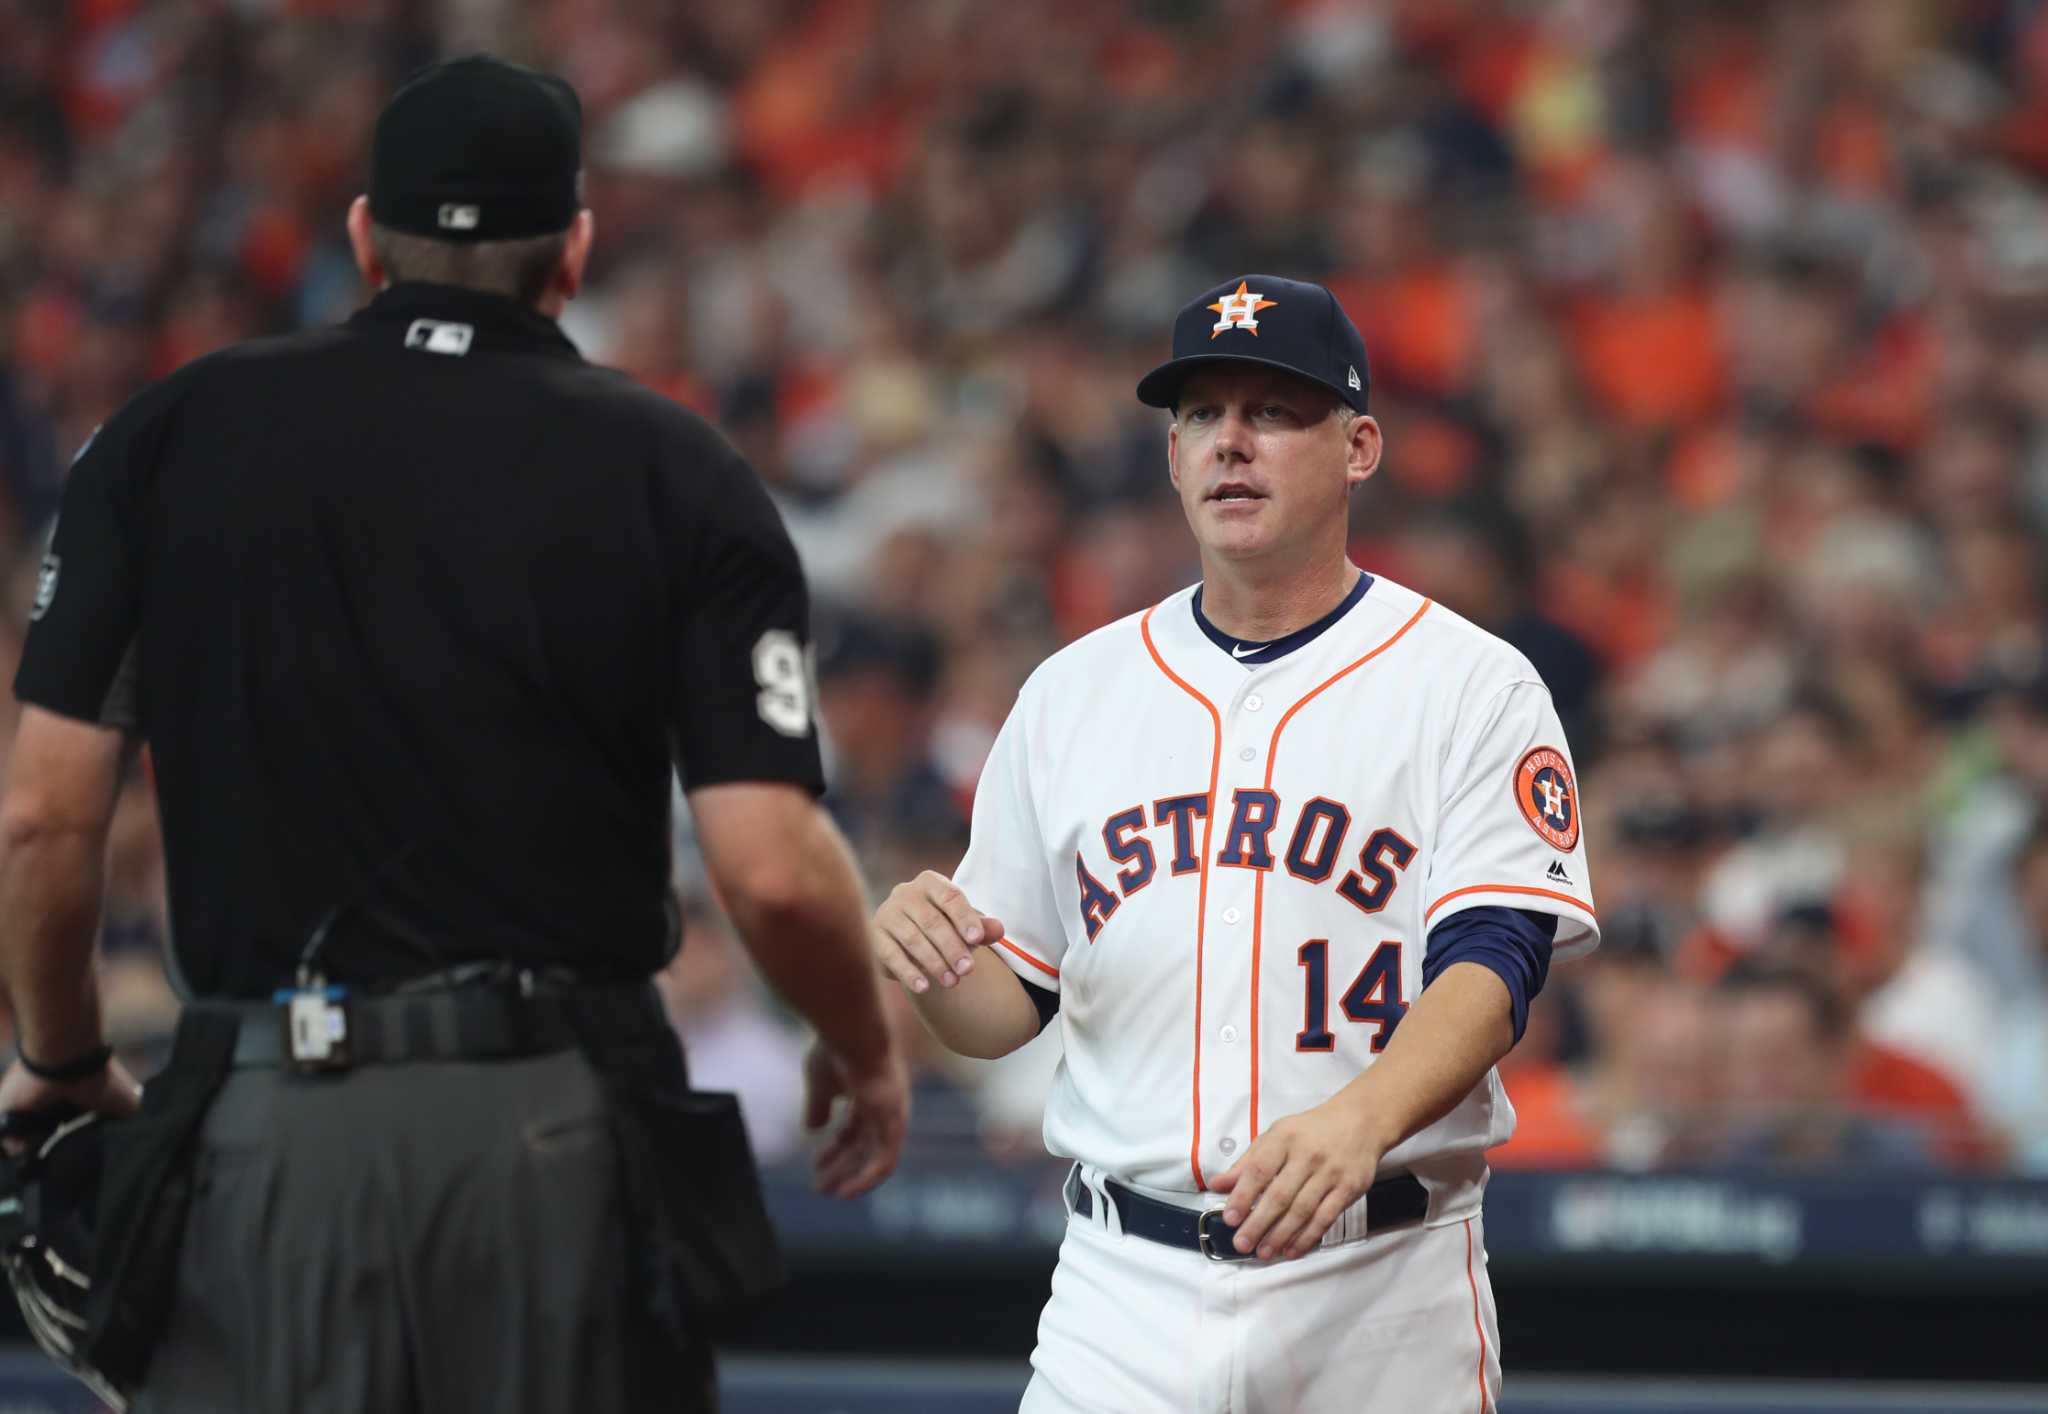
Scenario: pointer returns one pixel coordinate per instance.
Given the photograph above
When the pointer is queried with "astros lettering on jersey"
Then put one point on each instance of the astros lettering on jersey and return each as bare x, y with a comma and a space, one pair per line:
1229, 871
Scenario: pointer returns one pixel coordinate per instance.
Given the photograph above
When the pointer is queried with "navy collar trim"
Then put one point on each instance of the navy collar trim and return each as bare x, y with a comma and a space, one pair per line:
1251, 653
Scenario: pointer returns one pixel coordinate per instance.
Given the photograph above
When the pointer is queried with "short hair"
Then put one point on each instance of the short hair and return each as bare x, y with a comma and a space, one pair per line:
520, 268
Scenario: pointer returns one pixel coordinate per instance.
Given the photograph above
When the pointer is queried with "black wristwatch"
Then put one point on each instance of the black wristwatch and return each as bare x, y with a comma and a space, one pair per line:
84, 1068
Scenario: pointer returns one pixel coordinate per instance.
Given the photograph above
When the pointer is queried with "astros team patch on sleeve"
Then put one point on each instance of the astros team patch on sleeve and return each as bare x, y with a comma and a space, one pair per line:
1548, 796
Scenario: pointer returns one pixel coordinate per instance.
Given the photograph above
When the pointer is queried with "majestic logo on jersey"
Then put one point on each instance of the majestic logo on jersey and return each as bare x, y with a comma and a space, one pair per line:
1240, 310
1250, 837
1548, 796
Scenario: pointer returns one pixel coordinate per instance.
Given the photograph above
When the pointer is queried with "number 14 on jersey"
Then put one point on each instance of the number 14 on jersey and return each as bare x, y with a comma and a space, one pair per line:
1373, 998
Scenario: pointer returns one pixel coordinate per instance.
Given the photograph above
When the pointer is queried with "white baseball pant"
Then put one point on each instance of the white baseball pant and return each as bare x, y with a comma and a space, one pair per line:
1402, 1322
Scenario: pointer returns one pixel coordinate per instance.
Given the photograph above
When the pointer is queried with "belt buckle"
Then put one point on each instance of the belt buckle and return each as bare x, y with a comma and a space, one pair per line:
1228, 1254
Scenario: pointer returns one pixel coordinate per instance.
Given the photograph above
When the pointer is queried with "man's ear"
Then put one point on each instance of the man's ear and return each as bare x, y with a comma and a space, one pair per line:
1173, 452
1362, 456
360, 244
568, 282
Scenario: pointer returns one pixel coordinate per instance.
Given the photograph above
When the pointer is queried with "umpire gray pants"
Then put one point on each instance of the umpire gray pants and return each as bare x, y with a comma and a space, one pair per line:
428, 1238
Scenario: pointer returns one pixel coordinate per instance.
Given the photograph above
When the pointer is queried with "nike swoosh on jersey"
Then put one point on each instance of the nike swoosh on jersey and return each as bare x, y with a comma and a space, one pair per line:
1239, 652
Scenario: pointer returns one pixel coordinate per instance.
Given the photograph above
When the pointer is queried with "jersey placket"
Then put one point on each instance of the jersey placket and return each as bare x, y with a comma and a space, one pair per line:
1247, 817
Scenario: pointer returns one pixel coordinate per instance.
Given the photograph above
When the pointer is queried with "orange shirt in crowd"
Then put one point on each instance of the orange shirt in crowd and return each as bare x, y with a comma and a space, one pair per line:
1550, 1130
1422, 326
1652, 361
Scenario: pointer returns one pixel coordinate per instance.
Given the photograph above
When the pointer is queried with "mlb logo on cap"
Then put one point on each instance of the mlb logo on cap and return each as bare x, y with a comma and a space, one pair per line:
1263, 319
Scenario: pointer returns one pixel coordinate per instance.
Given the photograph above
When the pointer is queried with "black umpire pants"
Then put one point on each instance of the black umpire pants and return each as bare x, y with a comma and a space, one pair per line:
428, 1238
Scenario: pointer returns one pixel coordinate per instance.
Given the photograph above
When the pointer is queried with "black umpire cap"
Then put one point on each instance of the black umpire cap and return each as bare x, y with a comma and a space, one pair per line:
476, 149
1264, 319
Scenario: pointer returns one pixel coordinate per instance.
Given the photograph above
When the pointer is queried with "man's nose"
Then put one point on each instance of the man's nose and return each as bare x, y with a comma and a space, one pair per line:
1234, 439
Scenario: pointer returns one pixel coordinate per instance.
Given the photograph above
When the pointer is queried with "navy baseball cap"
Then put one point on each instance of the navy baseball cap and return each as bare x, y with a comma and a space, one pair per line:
1264, 319
476, 149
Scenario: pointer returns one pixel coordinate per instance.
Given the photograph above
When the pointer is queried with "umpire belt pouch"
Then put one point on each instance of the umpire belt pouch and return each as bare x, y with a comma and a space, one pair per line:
705, 1254
145, 1196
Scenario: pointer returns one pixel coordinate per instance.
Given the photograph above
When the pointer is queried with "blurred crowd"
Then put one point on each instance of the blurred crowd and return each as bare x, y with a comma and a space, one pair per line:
1707, 336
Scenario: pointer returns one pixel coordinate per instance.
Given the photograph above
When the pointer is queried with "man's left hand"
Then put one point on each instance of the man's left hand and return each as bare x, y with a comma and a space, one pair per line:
1298, 1177
112, 1092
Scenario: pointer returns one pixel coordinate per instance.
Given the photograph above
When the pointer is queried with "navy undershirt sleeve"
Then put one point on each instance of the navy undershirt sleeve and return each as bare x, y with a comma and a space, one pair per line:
1512, 943
1045, 999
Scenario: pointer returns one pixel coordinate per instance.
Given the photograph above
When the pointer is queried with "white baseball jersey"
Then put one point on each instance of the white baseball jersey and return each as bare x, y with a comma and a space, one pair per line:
1229, 872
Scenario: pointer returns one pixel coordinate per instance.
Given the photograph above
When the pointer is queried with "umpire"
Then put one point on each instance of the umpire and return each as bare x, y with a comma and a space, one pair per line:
417, 615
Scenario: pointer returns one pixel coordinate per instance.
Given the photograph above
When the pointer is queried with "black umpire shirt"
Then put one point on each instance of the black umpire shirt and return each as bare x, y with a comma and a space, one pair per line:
415, 614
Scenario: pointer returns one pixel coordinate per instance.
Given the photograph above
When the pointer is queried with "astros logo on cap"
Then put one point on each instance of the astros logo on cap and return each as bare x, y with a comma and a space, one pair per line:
1548, 796
1240, 310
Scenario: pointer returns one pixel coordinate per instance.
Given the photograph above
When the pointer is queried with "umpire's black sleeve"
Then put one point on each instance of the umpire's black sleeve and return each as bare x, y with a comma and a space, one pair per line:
743, 695
79, 657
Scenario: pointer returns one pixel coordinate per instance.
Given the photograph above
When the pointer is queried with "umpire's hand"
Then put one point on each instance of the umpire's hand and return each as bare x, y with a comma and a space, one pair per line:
112, 1092
862, 1150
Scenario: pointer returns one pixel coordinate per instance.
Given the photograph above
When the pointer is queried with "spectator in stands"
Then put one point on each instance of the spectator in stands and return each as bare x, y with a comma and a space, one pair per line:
1905, 1075
1643, 1081
1974, 903
1784, 1043
875, 683
1800, 772
1918, 1000
2019, 1089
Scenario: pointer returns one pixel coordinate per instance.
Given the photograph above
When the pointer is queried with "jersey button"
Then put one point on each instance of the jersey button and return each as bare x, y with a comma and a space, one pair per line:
1228, 1146
1229, 1035
1231, 915
1254, 703
1246, 754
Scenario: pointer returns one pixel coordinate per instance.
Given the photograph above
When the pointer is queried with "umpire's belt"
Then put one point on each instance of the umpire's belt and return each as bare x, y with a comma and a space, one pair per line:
1392, 1202
476, 1022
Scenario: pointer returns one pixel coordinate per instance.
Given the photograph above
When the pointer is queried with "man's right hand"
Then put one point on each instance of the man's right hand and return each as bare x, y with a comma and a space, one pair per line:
863, 1150
926, 930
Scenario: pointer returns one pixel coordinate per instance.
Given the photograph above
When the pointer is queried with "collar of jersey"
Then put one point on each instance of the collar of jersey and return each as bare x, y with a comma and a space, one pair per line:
502, 324
1240, 649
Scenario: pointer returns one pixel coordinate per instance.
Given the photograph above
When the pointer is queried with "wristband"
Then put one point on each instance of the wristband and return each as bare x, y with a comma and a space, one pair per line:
84, 1068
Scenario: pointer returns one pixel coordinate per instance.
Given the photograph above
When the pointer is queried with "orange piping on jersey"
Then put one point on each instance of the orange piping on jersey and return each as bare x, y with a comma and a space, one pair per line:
1477, 1325
1259, 883
1580, 904
1047, 968
1202, 891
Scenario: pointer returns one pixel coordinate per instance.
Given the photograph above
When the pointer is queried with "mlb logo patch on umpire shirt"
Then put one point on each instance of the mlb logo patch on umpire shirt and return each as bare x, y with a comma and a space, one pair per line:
438, 336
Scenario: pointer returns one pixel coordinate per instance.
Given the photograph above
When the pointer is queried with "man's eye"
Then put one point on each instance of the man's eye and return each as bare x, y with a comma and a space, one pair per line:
1198, 414
1272, 410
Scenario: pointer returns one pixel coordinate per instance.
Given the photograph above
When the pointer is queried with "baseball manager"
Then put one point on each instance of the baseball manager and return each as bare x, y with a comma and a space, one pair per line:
1286, 855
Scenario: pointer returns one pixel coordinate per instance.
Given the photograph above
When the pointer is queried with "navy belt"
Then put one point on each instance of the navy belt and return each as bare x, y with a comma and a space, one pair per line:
473, 1022
1392, 1202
